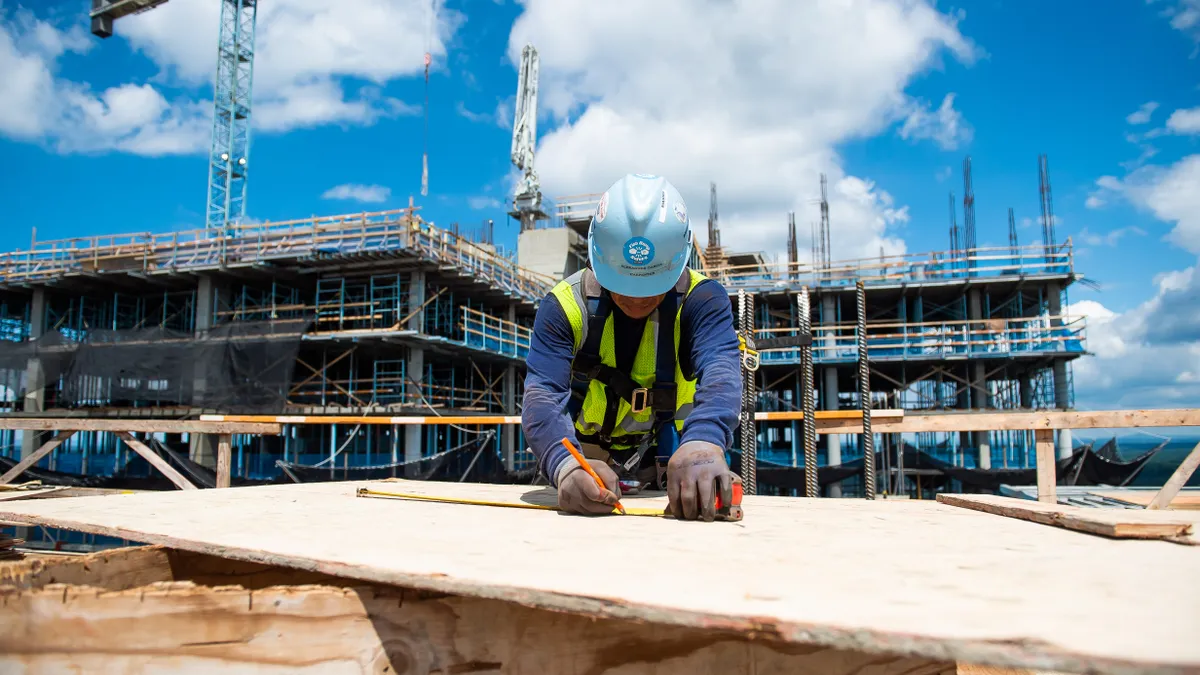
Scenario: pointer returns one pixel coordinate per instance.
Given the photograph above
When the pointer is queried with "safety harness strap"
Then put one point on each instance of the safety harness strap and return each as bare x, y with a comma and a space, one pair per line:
587, 365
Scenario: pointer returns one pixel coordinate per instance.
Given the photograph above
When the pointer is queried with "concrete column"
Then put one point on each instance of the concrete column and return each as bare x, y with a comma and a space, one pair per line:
35, 374
829, 393
416, 298
202, 448
1062, 392
979, 392
415, 368
508, 394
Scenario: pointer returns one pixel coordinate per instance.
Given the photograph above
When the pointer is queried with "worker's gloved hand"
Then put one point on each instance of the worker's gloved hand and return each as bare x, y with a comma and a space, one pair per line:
696, 474
578, 492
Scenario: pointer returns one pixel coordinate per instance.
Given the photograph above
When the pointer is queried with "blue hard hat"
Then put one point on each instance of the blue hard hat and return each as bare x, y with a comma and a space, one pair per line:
641, 237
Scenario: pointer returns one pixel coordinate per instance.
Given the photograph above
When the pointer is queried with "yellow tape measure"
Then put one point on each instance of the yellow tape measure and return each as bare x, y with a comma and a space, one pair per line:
367, 492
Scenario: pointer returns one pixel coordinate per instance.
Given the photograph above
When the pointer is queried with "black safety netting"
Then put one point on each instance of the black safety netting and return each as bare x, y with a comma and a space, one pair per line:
244, 366
476, 461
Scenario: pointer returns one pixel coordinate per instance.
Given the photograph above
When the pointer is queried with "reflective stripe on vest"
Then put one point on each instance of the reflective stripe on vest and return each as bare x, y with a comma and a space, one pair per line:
572, 294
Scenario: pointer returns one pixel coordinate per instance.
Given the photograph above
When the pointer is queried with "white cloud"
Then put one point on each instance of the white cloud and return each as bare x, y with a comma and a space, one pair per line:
943, 174
1108, 238
1171, 193
1147, 356
945, 126
643, 89
36, 105
358, 193
461, 109
1094, 201
1143, 113
1185, 121
1184, 16
306, 51
482, 202
311, 62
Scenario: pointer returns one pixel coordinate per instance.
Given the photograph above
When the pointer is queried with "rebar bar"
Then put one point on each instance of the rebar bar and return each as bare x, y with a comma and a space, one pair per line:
749, 437
864, 395
811, 487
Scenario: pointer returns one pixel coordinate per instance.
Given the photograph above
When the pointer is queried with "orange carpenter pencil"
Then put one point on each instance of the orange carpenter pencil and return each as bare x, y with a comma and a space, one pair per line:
588, 468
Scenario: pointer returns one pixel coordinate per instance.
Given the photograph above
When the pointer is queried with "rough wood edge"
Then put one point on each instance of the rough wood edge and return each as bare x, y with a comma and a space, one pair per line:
1006, 653
1105, 522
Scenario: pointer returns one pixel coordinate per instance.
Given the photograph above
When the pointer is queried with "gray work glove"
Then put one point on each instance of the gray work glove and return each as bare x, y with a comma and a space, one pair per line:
696, 474
578, 492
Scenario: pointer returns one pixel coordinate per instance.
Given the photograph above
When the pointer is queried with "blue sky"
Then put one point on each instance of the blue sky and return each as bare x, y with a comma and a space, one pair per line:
108, 136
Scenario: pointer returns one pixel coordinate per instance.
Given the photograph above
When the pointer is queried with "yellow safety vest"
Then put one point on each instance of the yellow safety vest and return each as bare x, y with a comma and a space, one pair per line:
630, 424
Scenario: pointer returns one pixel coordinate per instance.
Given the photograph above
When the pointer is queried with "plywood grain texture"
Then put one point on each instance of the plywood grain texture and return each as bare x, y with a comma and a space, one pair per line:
898, 577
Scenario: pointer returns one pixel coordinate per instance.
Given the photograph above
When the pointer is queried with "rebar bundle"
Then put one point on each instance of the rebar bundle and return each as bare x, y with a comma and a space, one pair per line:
864, 395
749, 395
811, 487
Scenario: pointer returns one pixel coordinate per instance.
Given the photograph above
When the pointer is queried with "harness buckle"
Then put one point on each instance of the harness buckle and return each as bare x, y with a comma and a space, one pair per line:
640, 400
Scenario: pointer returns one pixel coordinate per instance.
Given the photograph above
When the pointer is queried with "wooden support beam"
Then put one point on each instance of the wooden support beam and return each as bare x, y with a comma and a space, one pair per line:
36, 456
150, 426
1047, 470
224, 450
156, 461
1169, 489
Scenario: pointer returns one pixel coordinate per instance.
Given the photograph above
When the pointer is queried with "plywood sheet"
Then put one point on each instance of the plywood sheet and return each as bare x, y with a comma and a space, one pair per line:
913, 577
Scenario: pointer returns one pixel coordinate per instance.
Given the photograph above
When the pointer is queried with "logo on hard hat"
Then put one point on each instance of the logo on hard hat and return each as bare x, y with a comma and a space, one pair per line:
639, 251
602, 209
681, 212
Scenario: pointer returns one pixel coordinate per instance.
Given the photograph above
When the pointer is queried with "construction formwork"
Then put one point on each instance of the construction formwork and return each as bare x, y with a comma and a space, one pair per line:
388, 313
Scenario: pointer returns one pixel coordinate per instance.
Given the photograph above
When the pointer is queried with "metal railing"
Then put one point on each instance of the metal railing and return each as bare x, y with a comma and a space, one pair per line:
490, 333
913, 267
250, 244
935, 340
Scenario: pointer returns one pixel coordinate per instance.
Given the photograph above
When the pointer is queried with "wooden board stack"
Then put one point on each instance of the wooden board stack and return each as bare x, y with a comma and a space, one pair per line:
6, 547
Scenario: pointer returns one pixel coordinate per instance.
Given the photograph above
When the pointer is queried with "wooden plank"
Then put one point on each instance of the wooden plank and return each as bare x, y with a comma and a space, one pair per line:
1016, 421
828, 422
186, 628
821, 415
1116, 523
156, 461
1186, 501
116, 569
36, 456
224, 450
1169, 489
995, 597
1047, 470
30, 493
147, 425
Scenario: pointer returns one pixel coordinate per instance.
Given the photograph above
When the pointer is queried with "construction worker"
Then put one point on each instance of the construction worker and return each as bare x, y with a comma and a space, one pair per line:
629, 353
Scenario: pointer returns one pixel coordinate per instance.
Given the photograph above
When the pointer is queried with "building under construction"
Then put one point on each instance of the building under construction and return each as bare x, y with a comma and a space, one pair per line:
388, 314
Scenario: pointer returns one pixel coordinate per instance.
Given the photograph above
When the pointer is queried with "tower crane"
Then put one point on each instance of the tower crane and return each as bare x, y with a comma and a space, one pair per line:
229, 156
527, 199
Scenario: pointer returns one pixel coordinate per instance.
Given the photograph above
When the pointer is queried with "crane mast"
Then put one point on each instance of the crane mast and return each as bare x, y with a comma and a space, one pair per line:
527, 199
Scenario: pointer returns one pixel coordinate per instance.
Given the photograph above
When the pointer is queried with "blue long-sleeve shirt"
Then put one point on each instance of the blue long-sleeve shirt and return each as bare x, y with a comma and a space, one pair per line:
708, 353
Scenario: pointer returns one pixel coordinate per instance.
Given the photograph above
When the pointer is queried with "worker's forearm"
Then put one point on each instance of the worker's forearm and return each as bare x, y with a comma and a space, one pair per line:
544, 416
716, 360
